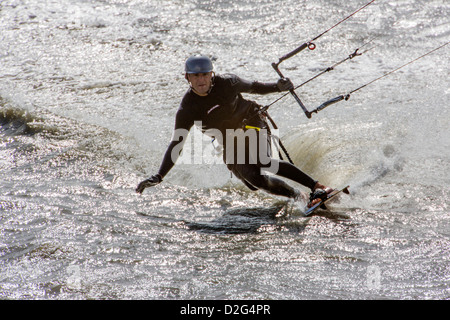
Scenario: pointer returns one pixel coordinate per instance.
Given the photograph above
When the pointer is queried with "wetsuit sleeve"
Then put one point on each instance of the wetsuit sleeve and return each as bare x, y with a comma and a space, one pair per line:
254, 86
264, 88
180, 133
168, 160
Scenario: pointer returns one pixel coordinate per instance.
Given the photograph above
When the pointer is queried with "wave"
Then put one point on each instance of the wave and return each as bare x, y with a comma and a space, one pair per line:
345, 154
17, 122
54, 144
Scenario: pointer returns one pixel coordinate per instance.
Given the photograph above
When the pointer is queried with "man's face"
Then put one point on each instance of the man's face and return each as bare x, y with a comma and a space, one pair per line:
200, 82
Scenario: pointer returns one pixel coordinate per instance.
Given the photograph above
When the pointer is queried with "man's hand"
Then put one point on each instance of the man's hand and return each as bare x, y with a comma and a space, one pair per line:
150, 182
285, 84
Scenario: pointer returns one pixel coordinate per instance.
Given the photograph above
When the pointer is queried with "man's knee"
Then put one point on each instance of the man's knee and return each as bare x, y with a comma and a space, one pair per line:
272, 169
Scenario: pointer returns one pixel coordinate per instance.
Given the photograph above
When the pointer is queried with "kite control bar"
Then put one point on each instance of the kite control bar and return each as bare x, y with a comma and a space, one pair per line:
330, 102
310, 45
275, 66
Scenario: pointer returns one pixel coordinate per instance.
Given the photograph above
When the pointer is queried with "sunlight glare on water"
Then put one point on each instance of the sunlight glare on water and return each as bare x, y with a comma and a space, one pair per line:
88, 95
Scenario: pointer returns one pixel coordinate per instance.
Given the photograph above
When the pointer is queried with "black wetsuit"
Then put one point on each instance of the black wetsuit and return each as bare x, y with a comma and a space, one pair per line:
222, 109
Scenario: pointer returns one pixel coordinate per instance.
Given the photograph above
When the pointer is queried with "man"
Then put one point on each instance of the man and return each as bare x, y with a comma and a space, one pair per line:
216, 102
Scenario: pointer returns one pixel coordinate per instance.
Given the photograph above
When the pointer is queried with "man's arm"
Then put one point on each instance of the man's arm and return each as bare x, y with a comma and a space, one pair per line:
257, 87
173, 151
170, 157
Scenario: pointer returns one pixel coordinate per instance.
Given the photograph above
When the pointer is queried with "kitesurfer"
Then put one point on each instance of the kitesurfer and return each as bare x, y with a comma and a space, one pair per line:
215, 101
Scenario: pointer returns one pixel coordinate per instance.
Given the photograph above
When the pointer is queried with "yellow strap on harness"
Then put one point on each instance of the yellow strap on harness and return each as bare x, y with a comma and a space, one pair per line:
251, 127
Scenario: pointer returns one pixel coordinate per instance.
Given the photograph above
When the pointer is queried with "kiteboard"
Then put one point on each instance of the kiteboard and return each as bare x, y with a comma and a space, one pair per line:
322, 203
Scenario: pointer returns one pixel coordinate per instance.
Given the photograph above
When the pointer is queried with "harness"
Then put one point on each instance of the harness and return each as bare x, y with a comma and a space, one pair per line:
264, 116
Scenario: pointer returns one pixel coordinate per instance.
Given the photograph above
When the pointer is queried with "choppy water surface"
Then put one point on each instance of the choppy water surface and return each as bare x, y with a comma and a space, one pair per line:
88, 92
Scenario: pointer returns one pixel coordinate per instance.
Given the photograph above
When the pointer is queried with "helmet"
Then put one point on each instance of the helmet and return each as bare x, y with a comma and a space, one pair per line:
198, 64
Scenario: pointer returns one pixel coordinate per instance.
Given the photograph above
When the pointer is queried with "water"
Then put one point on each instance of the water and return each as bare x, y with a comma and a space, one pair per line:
88, 92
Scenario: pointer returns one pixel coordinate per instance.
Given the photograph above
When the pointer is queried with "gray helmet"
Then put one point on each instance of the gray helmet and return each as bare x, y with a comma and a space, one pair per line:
198, 64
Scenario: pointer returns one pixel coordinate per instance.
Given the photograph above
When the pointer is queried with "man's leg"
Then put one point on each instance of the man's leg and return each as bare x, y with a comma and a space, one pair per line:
251, 175
290, 171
